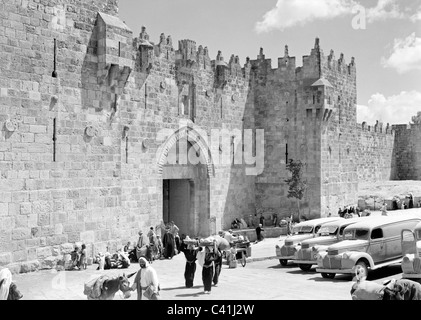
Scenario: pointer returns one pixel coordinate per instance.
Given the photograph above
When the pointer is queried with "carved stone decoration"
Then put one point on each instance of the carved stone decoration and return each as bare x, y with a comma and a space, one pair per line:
208, 92
163, 85
125, 131
235, 97
90, 131
10, 125
146, 143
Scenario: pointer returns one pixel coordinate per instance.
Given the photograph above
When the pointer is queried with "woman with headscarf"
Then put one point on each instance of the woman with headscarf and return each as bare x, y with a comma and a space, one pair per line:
146, 280
5, 282
153, 243
168, 243
174, 230
142, 245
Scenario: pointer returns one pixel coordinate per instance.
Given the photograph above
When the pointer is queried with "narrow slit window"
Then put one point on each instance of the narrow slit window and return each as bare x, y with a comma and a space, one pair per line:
54, 74
127, 149
286, 153
54, 139
146, 94
222, 115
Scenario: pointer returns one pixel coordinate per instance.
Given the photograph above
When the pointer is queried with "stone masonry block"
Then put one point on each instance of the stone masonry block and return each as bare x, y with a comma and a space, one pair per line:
44, 252
4, 209
21, 233
31, 253
44, 218
67, 247
19, 256
26, 208
5, 258
21, 221
87, 237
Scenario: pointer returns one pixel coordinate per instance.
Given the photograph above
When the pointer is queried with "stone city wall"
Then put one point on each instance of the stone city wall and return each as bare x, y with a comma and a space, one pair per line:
79, 143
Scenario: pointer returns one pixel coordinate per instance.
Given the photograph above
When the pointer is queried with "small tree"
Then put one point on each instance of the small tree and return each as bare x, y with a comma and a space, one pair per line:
417, 119
297, 185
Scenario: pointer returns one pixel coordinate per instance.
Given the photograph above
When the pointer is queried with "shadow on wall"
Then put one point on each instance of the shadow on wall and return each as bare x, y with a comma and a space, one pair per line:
240, 197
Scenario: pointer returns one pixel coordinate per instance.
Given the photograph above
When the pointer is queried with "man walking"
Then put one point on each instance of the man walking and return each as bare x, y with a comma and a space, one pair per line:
211, 254
146, 281
190, 252
259, 233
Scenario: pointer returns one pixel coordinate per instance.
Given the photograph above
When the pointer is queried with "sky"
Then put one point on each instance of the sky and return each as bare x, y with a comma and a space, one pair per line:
384, 36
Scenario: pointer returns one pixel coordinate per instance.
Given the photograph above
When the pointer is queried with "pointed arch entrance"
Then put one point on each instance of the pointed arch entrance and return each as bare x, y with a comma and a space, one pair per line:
185, 168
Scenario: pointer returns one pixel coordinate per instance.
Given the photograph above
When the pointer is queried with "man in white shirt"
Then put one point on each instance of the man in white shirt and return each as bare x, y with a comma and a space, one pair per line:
146, 280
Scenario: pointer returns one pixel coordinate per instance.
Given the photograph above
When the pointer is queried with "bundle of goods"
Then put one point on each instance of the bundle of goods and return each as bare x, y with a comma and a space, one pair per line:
283, 223
210, 241
241, 242
189, 241
222, 243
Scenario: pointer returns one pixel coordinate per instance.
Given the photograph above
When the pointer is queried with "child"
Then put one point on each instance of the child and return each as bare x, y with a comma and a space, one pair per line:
75, 254
159, 242
82, 260
127, 247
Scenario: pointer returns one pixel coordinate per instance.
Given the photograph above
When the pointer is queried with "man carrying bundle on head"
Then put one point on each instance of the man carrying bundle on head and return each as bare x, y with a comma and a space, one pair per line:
211, 255
189, 248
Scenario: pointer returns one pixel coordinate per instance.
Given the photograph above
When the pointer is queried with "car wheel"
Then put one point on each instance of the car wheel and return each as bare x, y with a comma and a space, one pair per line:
305, 267
328, 275
283, 262
361, 269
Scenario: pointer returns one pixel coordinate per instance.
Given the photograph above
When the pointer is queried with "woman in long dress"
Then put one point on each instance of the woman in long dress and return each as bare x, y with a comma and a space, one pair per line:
142, 245
168, 242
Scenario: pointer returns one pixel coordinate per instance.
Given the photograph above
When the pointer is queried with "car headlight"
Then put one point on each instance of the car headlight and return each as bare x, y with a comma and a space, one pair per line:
345, 256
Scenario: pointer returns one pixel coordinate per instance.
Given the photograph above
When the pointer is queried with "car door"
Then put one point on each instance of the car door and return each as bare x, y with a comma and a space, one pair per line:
377, 247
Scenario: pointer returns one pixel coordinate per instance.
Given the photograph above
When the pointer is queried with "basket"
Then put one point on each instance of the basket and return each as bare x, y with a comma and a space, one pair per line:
206, 244
190, 242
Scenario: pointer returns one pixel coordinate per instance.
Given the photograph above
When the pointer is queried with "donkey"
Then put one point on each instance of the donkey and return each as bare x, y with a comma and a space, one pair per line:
111, 286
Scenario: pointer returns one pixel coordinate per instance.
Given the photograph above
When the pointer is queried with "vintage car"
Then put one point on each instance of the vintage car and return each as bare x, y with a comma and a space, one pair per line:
329, 233
372, 243
301, 231
411, 250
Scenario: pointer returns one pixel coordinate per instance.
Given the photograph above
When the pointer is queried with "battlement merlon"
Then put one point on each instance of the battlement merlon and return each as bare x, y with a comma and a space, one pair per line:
315, 65
377, 128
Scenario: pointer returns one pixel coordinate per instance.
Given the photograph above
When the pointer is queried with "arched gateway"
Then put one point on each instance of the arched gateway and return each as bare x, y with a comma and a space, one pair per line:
185, 166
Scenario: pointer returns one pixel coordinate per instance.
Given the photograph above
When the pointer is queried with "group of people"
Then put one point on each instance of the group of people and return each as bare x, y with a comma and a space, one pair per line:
209, 256
163, 244
349, 212
78, 258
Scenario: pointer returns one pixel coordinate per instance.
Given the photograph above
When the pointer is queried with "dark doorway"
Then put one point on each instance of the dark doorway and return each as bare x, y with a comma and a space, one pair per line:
178, 204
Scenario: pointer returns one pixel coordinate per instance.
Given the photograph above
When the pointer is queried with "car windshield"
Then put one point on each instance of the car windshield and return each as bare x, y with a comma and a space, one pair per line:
302, 230
328, 230
354, 234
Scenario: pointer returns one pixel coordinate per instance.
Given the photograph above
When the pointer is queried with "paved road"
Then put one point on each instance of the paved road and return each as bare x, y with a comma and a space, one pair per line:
262, 279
